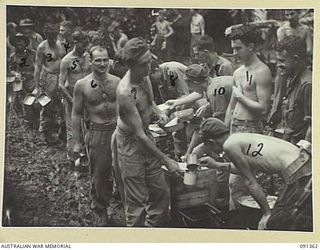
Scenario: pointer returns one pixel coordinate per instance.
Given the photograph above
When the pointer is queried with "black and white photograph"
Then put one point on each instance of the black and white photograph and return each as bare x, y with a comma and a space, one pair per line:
158, 117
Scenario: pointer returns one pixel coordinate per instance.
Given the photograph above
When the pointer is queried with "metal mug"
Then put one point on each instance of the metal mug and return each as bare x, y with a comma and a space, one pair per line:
82, 162
192, 161
190, 178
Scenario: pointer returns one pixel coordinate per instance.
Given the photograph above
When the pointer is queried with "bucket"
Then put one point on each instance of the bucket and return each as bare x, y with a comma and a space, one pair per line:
44, 100
29, 100
190, 178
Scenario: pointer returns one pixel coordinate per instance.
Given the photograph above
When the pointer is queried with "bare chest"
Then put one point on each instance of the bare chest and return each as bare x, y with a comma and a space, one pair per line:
299, 31
52, 55
97, 94
246, 81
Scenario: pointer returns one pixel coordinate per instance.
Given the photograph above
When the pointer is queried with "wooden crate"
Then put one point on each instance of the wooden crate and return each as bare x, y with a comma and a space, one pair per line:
205, 191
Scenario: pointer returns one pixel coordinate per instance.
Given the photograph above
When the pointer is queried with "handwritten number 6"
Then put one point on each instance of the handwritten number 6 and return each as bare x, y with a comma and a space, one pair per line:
93, 85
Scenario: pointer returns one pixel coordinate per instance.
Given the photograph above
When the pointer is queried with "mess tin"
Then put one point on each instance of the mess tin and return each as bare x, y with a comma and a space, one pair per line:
29, 99
174, 125
10, 79
44, 100
17, 86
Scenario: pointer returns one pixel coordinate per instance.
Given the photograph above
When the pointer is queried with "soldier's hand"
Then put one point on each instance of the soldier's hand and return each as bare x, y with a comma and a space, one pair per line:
209, 162
263, 222
173, 168
163, 118
171, 103
200, 111
236, 92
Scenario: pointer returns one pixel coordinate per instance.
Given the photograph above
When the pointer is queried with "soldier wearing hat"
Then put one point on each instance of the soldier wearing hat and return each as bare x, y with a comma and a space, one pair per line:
197, 78
74, 66
26, 27
46, 76
146, 192
247, 153
22, 61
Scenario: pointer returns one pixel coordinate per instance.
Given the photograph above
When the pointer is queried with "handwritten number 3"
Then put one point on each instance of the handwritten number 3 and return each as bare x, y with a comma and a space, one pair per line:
49, 57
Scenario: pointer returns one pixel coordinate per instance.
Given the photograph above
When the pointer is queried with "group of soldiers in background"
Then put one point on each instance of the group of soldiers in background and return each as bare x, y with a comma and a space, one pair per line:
115, 97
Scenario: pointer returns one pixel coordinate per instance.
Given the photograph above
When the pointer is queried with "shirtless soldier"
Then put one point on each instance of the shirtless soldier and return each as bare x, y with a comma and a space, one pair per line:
146, 192
74, 66
251, 97
251, 152
48, 57
295, 28
96, 93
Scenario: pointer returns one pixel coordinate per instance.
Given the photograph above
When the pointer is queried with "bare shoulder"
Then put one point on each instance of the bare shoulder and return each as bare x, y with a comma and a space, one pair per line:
233, 142
239, 71
81, 83
42, 45
113, 78
262, 71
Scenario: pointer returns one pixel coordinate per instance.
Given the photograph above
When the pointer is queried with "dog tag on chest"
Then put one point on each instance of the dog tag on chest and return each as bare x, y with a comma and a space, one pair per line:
104, 96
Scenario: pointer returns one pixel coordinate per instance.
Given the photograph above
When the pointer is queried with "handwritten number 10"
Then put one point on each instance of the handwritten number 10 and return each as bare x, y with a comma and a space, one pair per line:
220, 91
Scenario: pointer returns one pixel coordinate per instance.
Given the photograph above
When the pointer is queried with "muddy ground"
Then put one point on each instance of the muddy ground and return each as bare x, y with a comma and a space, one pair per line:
40, 187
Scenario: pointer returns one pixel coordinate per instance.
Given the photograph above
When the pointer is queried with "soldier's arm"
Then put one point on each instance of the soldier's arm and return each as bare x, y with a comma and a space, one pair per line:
235, 154
231, 106
77, 114
309, 41
127, 106
62, 79
38, 65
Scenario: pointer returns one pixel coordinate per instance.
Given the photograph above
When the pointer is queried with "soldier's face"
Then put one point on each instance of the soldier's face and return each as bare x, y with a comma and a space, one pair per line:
292, 16
241, 51
142, 65
20, 45
286, 63
100, 61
